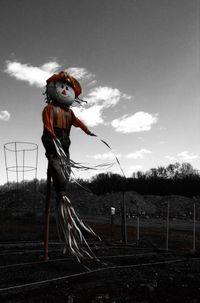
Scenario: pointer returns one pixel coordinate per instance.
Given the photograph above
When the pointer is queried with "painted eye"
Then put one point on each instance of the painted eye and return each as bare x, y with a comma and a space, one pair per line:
62, 86
67, 88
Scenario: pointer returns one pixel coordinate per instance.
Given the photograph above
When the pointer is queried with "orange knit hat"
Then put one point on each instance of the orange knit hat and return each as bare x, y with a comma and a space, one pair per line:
65, 77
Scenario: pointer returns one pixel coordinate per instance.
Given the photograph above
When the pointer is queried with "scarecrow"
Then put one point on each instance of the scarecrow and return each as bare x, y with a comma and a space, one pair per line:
62, 90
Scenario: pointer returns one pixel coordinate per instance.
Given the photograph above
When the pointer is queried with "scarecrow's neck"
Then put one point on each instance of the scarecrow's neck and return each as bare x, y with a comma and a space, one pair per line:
65, 107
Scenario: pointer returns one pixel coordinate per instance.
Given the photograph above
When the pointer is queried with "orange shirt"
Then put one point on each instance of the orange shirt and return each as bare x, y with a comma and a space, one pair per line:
64, 119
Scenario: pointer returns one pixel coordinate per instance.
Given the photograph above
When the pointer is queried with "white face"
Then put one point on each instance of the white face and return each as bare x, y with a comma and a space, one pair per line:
61, 92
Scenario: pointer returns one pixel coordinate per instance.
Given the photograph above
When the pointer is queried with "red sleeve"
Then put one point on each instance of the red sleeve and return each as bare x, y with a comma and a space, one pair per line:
78, 123
47, 117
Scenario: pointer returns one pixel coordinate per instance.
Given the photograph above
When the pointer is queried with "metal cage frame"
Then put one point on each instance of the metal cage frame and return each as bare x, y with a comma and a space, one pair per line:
16, 148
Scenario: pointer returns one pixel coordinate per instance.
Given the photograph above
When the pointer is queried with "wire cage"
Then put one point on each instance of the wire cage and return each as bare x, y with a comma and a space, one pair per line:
21, 158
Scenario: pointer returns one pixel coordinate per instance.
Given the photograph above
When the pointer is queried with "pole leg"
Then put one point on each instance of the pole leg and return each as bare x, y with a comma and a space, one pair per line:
47, 215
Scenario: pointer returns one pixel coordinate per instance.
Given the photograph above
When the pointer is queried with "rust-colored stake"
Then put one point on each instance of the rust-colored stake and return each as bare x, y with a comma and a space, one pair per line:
47, 215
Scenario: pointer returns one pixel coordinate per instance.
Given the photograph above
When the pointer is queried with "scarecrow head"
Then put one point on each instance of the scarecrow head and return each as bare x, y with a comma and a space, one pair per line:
63, 89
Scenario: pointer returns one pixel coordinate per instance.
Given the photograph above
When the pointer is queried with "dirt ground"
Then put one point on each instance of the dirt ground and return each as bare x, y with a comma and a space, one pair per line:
133, 273
179, 283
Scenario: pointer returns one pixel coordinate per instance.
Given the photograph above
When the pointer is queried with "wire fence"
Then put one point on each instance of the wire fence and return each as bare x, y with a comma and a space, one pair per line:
22, 218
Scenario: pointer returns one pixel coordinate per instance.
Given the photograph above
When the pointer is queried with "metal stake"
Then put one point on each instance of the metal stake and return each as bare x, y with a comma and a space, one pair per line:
123, 208
194, 228
138, 224
112, 215
167, 234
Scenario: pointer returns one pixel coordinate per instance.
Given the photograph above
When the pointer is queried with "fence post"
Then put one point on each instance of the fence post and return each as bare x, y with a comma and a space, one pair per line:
138, 225
194, 228
167, 231
123, 213
112, 215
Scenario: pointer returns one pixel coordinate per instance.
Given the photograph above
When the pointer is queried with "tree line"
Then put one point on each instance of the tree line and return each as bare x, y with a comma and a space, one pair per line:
178, 179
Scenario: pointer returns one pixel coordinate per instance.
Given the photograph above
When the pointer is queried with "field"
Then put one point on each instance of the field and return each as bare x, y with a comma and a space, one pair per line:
147, 268
139, 271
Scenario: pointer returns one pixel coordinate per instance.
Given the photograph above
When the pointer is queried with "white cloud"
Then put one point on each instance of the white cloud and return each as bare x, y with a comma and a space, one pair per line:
31, 74
93, 82
4, 115
186, 156
138, 154
134, 168
183, 156
106, 156
171, 158
138, 122
105, 96
50, 67
80, 73
38, 75
91, 116
99, 98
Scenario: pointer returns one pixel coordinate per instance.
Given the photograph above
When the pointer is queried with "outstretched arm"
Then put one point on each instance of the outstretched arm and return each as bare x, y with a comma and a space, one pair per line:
78, 123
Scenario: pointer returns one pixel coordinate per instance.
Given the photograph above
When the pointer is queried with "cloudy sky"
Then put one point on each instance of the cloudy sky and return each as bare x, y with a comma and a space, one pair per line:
138, 64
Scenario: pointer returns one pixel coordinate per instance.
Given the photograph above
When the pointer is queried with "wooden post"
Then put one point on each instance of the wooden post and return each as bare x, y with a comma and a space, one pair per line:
194, 228
138, 225
124, 231
47, 215
167, 231
112, 215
